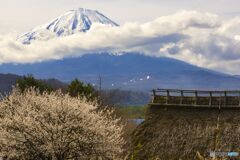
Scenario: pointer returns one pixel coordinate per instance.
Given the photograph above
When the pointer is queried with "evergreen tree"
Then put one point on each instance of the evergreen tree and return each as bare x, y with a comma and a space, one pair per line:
78, 88
30, 82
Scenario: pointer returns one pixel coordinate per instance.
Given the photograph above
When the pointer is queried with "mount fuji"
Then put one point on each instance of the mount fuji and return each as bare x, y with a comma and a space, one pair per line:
72, 22
128, 71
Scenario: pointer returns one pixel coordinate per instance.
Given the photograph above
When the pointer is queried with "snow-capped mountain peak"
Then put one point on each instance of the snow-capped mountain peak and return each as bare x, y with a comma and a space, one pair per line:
73, 21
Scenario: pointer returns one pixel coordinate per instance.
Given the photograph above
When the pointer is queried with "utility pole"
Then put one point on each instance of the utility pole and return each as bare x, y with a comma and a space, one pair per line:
100, 83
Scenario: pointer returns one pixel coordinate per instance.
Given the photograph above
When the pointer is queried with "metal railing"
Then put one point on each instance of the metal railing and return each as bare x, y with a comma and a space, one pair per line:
196, 98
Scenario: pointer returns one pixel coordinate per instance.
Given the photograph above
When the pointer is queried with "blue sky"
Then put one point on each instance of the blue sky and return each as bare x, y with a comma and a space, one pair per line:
21, 15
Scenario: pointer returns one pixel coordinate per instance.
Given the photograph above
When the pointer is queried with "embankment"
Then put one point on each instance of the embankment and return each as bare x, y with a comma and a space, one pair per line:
174, 132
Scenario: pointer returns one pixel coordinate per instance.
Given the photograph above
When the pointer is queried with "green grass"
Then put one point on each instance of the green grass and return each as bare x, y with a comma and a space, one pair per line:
133, 112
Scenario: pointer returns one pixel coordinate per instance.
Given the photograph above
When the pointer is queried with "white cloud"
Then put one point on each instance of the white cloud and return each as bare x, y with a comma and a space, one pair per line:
201, 39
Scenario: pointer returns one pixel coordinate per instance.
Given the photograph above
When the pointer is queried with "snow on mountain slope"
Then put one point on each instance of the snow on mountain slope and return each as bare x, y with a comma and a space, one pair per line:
130, 71
73, 21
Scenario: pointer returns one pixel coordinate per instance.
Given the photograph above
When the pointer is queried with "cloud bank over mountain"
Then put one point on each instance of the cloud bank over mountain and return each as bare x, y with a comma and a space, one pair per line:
201, 39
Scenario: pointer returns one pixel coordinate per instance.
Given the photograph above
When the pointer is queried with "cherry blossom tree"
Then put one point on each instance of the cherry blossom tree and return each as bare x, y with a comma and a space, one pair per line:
57, 126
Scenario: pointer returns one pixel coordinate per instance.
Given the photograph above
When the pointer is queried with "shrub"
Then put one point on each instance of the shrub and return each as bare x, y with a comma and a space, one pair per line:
57, 126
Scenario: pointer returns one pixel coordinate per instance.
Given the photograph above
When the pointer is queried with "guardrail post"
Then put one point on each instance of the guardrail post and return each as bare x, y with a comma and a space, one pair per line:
239, 99
181, 100
225, 98
196, 98
168, 95
210, 99
154, 95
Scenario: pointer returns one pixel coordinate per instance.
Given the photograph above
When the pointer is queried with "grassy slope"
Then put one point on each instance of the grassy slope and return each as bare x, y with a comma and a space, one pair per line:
133, 112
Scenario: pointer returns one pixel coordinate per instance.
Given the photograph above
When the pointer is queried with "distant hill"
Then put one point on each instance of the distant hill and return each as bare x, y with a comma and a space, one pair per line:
129, 71
8, 81
113, 97
123, 98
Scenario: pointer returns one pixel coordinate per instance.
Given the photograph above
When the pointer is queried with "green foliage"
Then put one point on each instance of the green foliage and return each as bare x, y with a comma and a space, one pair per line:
133, 112
136, 150
78, 88
30, 82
